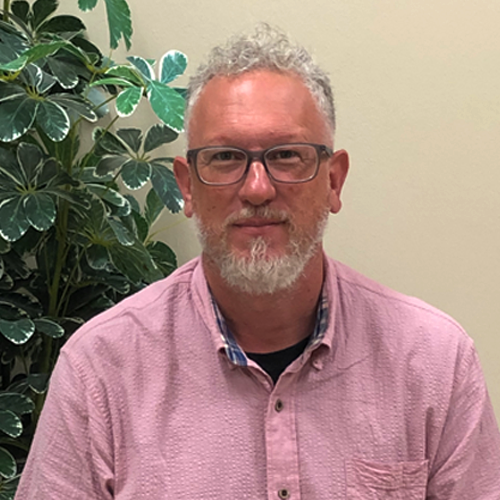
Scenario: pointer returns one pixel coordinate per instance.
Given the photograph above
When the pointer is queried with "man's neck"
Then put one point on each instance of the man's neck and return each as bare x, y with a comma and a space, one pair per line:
270, 322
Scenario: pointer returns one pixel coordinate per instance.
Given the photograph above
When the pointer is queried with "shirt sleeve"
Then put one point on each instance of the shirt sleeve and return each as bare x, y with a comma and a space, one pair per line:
467, 462
71, 456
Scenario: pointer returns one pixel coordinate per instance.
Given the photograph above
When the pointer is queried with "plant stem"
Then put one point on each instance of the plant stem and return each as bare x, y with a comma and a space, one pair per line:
6, 9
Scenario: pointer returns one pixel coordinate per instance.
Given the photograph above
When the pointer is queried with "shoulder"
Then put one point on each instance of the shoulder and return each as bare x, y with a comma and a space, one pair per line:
373, 315
142, 316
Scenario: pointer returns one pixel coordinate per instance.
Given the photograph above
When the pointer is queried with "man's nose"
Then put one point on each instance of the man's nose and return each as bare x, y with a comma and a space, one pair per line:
258, 188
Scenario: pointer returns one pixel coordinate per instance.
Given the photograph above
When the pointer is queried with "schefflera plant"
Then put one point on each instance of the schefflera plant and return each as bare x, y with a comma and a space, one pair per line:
71, 243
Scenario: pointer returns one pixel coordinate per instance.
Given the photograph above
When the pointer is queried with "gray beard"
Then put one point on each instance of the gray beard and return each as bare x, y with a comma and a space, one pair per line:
259, 273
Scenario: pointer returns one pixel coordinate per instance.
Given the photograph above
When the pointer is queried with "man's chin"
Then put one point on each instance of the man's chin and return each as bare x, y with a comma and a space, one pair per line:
260, 272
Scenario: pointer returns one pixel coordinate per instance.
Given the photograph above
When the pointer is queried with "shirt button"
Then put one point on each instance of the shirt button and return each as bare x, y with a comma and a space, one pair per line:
284, 493
278, 407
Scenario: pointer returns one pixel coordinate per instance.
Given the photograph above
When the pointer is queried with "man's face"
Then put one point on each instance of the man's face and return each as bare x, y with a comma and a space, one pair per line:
258, 218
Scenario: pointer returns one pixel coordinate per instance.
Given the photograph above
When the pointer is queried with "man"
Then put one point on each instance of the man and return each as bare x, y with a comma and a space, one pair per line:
265, 369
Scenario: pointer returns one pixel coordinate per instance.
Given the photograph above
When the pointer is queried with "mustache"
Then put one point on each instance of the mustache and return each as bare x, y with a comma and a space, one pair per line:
261, 212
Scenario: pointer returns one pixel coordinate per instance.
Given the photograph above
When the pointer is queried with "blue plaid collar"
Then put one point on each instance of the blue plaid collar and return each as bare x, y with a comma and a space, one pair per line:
236, 354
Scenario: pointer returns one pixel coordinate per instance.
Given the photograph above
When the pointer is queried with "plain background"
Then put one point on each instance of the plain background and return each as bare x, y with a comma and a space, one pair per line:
417, 87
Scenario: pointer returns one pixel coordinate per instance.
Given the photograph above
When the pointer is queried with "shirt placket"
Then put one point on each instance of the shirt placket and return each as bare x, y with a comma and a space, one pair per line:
281, 441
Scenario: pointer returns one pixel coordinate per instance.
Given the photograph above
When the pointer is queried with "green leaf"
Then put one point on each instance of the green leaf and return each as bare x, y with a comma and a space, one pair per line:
17, 115
167, 104
141, 226
98, 100
154, 207
76, 105
17, 267
30, 160
123, 235
135, 173
34, 54
8, 467
13, 221
86, 5
182, 91
163, 256
10, 167
10, 90
109, 163
143, 66
158, 135
108, 143
16, 403
62, 24
166, 188
42, 9
109, 195
120, 23
172, 65
38, 382
127, 101
40, 210
28, 304
126, 73
53, 120
63, 72
13, 43
18, 332
92, 51
97, 257
135, 263
10, 423
45, 82
16, 64
111, 81
21, 8
49, 328
134, 204
132, 137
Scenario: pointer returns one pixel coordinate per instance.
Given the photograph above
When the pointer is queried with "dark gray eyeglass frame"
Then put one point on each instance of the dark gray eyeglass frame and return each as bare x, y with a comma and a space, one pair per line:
259, 156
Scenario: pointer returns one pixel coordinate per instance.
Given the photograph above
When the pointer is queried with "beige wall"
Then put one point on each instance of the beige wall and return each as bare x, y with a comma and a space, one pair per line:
418, 94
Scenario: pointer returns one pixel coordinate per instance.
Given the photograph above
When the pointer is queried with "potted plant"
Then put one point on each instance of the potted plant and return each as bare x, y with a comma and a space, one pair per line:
71, 244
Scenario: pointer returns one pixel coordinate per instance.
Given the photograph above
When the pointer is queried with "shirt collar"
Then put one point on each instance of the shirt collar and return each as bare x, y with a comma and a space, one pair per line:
237, 356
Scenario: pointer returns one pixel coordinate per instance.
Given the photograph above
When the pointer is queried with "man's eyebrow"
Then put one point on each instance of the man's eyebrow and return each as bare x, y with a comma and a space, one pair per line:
272, 137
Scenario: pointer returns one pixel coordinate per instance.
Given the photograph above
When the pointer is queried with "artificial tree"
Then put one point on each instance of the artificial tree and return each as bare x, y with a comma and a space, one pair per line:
71, 244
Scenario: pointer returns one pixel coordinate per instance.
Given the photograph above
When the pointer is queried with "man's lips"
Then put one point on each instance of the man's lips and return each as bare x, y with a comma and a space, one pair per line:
257, 222
257, 226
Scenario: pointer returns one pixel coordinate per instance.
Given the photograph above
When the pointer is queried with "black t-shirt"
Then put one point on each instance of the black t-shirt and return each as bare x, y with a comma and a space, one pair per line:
274, 363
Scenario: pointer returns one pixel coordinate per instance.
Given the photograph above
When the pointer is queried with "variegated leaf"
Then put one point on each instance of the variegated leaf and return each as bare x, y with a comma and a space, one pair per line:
40, 210
167, 104
172, 65
135, 173
17, 115
53, 120
18, 332
13, 221
127, 101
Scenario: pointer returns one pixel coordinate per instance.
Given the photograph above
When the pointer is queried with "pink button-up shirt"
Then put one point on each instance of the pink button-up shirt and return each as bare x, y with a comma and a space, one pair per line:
145, 404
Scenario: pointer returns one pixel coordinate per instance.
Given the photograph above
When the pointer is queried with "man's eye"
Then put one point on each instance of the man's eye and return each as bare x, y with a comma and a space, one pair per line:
283, 154
223, 156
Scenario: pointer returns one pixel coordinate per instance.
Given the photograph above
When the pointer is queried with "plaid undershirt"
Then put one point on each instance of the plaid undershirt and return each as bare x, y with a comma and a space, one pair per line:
237, 355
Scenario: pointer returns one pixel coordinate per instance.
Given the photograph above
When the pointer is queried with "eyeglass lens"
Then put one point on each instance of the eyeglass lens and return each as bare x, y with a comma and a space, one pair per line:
286, 163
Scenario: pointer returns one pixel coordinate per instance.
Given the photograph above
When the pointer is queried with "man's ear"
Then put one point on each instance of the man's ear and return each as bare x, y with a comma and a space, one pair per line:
183, 177
339, 166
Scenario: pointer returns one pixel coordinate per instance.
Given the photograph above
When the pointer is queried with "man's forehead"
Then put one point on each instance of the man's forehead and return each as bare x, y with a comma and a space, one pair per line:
280, 100
244, 82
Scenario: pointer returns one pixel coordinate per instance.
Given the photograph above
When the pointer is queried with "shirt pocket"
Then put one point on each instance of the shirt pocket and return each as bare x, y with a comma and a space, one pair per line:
368, 480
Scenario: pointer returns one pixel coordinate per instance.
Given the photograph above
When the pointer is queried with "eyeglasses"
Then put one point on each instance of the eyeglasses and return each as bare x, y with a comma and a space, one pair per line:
287, 163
